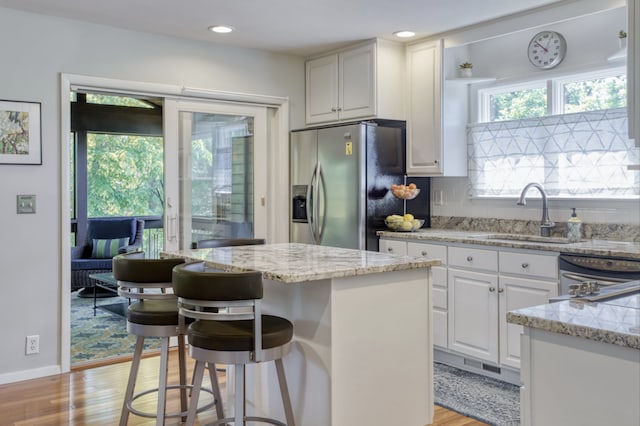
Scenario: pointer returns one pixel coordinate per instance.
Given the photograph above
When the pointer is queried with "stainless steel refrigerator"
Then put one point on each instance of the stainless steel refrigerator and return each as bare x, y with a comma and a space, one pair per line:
340, 183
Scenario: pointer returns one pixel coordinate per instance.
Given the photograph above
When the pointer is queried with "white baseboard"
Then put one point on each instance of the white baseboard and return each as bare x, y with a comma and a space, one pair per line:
36, 373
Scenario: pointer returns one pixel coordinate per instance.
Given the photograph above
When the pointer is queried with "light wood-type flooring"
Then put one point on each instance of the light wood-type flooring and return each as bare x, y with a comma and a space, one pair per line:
93, 396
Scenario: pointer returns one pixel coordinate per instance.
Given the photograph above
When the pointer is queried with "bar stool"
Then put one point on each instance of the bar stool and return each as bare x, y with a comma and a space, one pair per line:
226, 242
153, 314
234, 332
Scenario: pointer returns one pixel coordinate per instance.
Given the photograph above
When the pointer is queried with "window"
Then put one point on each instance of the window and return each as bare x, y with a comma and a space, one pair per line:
514, 102
568, 134
593, 92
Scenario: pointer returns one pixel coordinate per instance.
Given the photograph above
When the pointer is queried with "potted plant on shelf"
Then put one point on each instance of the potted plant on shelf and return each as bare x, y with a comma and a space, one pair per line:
465, 69
622, 39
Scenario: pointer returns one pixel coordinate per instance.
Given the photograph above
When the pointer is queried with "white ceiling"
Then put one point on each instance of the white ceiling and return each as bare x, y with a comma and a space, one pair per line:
300, 27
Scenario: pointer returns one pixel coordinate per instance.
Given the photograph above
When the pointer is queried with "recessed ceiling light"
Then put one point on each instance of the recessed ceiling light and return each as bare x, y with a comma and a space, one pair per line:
404, 34
221, 29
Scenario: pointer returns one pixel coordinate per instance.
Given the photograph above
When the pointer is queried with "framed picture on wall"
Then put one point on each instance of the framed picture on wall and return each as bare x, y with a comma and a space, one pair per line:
20, 133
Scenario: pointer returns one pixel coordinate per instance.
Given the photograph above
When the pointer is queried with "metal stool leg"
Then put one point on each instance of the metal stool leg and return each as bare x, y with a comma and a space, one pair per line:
162, 381
284, 391
133, 373
195, 394
215, 387
240, 395
182, 365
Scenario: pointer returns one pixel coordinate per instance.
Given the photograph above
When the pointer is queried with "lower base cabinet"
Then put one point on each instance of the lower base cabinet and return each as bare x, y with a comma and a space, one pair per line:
518, 293
473, 314
475, 288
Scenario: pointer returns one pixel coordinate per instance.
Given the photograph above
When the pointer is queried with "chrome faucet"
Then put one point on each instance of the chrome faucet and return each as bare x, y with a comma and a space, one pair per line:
546, 225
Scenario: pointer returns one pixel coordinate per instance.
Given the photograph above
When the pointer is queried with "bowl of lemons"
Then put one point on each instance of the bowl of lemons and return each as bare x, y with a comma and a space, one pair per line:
403, 223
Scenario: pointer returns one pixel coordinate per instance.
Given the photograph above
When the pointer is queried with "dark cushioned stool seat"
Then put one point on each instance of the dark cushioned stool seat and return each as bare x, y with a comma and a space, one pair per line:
153, 312
238, 335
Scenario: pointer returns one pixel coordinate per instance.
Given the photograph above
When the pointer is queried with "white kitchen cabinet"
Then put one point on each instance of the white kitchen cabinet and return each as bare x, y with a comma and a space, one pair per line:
436, 128
398, 247
517, 293
438, 289
473, 290
473, 302
526, 279
485, 284
365, 81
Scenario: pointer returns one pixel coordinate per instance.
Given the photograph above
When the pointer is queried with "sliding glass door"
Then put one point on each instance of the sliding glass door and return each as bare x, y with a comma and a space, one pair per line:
216, 178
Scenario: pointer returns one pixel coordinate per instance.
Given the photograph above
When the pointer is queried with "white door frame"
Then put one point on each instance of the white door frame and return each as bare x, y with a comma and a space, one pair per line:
277, 164
172, 140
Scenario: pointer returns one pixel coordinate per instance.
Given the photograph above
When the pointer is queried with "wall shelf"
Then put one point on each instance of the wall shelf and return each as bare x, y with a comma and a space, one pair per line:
470, 80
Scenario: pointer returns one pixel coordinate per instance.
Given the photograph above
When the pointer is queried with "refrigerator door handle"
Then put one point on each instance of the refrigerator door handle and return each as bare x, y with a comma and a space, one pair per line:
312, 211
322, 220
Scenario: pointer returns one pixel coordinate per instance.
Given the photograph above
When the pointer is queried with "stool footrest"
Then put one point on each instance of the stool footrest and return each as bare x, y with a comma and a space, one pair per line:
153, 415
249, 419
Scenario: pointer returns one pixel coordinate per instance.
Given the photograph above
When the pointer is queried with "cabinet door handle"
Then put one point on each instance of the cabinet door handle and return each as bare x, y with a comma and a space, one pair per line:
334, 109
469, 259
389, 249
525, 265
492, 289
501, 290
424, 253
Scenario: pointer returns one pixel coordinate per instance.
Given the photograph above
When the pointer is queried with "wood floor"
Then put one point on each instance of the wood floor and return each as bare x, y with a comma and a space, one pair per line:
93, 396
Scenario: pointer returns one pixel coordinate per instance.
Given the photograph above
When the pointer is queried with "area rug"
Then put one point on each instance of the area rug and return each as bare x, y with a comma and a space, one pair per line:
103, 336
489, 400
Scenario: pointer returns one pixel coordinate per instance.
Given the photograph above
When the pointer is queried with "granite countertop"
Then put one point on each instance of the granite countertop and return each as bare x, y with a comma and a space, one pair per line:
626, 249
293, 262
614, 321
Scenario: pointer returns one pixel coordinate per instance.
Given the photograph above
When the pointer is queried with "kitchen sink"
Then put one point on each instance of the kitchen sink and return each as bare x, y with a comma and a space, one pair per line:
530, 238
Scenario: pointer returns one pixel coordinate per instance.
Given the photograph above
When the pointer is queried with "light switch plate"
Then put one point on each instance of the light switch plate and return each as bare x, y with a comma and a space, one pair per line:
26, 204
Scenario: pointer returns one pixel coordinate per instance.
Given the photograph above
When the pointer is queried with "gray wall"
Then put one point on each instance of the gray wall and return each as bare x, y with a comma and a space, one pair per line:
35, 50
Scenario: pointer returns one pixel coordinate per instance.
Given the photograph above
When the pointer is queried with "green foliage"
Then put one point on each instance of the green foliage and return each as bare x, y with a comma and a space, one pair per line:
95, 98
519, 104
125, 175
578, 96
591, 95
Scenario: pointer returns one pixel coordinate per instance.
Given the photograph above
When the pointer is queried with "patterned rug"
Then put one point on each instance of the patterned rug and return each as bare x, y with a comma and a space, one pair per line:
491, 401
103, 336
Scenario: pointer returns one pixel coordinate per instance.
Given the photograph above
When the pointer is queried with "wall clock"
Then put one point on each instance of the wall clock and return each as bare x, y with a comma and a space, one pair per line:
547, 49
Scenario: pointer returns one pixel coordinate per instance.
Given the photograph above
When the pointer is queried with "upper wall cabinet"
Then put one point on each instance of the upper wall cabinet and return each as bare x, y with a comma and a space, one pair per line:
436, 141
365, 81
633, 69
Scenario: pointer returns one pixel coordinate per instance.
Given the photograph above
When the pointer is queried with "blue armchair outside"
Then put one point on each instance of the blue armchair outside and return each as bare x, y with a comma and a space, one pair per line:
82, 262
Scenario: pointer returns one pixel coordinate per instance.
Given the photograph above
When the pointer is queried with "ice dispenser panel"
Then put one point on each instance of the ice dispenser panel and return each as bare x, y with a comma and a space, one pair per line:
299, 203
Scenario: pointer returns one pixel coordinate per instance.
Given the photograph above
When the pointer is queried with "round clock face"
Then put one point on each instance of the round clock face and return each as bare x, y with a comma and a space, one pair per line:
547, 49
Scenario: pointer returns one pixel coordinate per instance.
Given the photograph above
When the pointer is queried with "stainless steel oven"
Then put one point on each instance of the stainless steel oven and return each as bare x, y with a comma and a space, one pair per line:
576, 269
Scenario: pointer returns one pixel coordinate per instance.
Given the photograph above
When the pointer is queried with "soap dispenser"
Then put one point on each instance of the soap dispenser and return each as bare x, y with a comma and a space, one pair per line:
574, 227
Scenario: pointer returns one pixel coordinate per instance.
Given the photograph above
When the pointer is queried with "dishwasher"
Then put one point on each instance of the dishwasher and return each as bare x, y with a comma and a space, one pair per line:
606, 271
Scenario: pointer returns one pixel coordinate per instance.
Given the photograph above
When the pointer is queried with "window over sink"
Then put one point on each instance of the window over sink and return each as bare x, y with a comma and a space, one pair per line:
569, 134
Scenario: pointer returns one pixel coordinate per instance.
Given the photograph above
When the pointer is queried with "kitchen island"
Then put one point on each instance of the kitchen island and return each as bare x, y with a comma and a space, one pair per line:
362, 351
580, 362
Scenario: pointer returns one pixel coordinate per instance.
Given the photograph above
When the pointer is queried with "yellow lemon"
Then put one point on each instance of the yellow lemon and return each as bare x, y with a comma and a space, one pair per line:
408, 217
406, 226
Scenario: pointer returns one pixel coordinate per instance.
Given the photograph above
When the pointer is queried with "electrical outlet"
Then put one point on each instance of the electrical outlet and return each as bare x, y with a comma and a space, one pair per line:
33, 345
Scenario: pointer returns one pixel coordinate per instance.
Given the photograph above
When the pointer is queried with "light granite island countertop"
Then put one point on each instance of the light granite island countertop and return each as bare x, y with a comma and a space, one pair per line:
588, 354
363, 345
